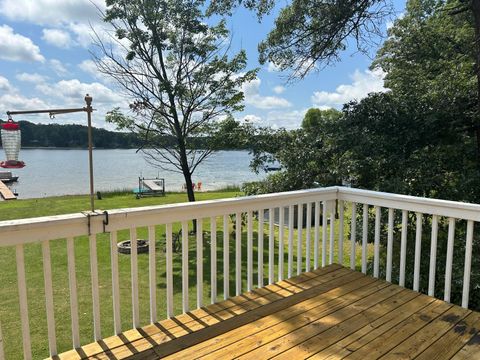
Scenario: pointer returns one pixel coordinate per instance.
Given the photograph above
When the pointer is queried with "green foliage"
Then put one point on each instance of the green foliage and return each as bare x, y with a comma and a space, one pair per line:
315, 118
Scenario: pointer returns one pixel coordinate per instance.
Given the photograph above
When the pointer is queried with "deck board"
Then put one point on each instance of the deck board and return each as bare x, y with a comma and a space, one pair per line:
329, 313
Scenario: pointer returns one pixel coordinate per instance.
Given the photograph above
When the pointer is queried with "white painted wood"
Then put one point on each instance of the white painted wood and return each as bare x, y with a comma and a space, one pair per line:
134, 277
364, 238
2, 351
324, 233
97, 334
403, 247
169, 269
418, 250
332, 233
449, 261
199, 263
24, 231
308, 237
185, 304
271, 240
238, 254
468, 264
299, 238
226, 258
317, 235
47, 276
390, 244
353, 236
72, 284
341, 221
249, 251
22, 299
433, 256
281, 244
152, 274
117, 321
376, 245
260, 247
213, 260
291, 231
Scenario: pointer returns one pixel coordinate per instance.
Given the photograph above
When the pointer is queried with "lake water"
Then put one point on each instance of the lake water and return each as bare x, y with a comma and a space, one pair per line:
51, 172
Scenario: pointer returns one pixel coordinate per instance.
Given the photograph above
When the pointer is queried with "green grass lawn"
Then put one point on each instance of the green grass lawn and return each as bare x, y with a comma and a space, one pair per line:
9, 308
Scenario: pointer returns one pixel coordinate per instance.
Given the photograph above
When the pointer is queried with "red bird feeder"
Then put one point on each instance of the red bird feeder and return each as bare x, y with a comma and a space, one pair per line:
11, 141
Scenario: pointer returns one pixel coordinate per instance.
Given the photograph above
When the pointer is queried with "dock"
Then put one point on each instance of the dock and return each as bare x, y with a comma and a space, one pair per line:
6, 193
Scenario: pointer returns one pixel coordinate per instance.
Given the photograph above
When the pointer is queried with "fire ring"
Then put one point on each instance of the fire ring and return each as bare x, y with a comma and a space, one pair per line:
125, 247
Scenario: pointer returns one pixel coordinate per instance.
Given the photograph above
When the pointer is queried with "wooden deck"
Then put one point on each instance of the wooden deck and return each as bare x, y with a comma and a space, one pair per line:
331, 313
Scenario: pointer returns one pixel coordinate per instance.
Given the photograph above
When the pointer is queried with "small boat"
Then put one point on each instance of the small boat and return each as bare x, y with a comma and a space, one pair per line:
7, 177
268, 168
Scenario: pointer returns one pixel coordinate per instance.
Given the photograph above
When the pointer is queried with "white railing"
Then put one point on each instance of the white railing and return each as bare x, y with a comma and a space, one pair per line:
275, 235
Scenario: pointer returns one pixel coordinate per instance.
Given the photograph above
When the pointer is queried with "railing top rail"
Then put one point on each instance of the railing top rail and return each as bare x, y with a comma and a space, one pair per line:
13, 232
61, 226
455, 209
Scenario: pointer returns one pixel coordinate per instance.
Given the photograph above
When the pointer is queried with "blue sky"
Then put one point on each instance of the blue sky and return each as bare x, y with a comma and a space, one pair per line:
45, 63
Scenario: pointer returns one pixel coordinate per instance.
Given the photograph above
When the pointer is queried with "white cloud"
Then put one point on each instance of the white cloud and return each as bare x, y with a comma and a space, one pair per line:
58, 67
16, 47
271, 67
253, 119
362, 84
31, 77
14, 101
285, 119
52, 12
4, 84
57, 38
73, 91
253, 97
279, 89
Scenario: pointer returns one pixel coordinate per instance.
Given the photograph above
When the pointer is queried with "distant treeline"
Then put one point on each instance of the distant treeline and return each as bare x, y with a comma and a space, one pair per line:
75, 136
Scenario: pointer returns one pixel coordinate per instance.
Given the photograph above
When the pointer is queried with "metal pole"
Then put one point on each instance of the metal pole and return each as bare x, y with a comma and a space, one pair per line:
88, 101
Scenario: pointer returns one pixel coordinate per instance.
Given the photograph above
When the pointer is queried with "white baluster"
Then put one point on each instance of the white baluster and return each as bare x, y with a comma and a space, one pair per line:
390, 244
260, 247
238, 254
152, 273
249, 251
353, 236
169, 269
291, 230
226, 258
332, 233
433, 256
308, 236
213, 259
324, 233
47, 276
299, 238
199, 262
97, 335
281, 245
271, 234
418, 250
341, 220
72, 284
134, 277
22, 298
468, 264
185, 289
364, 238
376, 246
449, 262
316, 245
403, 247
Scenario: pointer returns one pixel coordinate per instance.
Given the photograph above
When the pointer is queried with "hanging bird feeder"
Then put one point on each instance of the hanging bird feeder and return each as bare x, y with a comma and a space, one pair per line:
11, 142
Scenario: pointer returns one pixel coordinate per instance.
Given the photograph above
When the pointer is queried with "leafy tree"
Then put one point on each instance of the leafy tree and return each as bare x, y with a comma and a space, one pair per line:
316, 118
177, 72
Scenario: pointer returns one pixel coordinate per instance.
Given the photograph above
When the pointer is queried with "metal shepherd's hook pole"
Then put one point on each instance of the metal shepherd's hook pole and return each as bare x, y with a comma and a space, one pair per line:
89, 109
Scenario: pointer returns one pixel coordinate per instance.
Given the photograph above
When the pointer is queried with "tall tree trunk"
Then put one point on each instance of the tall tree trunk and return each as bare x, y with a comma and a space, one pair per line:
476, 15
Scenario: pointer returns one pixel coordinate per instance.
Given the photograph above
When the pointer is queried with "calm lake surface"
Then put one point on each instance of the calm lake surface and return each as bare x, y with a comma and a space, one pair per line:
51, 172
